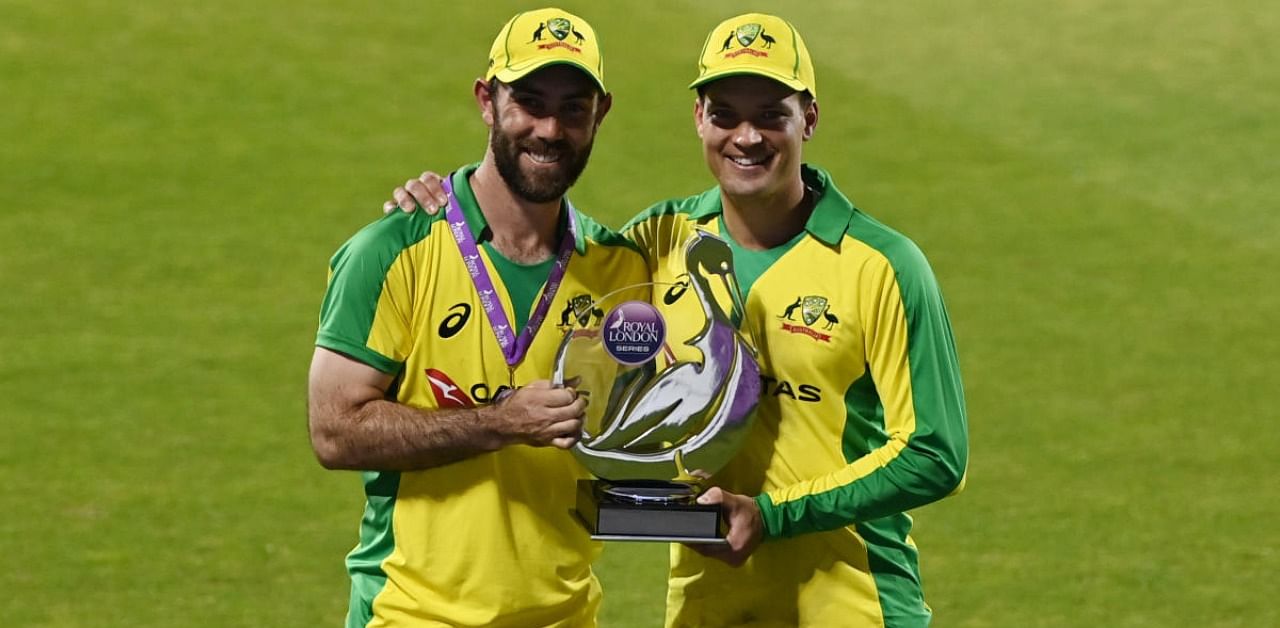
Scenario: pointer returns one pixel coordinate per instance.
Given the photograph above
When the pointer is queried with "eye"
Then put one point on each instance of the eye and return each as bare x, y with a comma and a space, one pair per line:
574, 108
529, 103
720, 117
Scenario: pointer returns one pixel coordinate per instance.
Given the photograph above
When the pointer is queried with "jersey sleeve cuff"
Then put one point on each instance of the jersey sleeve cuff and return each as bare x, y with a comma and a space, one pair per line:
771, 515
360, 353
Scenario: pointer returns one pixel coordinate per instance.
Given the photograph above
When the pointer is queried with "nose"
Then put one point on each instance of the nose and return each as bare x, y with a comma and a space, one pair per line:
746, 134
548, 128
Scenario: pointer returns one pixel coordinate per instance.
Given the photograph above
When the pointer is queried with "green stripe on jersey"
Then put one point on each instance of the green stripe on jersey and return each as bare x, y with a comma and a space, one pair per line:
346, 316
864, 419
377, 541
936, 388
895, 565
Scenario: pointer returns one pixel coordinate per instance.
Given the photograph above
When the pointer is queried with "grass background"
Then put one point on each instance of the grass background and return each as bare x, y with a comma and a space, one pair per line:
1094, 182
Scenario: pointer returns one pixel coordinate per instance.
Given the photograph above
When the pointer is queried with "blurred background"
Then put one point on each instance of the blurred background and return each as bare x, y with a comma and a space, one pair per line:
1094, 183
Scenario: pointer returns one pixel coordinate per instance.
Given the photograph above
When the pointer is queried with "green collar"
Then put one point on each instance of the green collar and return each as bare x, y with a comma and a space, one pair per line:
829, 220
461, 179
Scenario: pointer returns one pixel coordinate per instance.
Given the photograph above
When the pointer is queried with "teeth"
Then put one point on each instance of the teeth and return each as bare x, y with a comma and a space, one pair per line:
749, 161
544, 158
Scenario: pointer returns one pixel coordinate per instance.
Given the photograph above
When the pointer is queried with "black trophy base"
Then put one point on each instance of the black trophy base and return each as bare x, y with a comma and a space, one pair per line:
646, 511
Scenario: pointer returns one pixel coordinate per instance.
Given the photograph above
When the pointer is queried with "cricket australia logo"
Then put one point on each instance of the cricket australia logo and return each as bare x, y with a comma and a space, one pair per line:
580, 311
560, 29
813, 309
746, 35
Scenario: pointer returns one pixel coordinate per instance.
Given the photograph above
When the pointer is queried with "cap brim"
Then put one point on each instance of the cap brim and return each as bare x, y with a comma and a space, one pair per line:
791, 82
511, 75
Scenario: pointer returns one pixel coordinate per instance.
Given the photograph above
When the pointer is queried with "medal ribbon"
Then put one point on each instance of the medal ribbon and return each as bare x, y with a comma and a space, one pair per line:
513, 348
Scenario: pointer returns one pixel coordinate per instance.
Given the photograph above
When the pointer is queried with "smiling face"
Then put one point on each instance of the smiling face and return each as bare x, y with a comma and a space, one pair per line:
752, 129
542, 128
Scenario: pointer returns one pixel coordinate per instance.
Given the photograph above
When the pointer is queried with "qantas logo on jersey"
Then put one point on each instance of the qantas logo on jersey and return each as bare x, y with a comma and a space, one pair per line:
448, 394
813, 309
784, 388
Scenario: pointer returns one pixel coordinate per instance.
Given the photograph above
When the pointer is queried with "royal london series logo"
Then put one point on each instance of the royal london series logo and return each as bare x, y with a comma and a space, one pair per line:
745, 35
813, 309
559, 28
634, 332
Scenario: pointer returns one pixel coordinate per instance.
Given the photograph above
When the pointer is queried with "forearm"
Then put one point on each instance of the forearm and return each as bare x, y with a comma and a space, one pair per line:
895, 478
385, 435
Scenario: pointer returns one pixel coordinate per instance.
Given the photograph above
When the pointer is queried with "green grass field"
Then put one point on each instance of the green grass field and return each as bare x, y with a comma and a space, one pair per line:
1094, 182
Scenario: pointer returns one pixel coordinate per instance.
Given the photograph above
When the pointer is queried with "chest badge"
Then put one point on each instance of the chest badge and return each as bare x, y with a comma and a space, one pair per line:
815, 312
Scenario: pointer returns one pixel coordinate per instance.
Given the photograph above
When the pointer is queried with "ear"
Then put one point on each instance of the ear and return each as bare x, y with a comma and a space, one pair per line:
810, 120
485, 100
602, 108
697, 115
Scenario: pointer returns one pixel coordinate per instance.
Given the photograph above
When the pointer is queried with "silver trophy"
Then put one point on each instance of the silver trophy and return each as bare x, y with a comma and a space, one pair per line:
652, 434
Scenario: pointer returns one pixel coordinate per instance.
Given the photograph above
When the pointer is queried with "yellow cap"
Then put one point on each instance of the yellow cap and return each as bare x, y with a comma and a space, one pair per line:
536, 39
755, 43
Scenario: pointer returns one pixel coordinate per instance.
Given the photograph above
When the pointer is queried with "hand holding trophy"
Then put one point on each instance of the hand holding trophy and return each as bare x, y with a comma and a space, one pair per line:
648, 429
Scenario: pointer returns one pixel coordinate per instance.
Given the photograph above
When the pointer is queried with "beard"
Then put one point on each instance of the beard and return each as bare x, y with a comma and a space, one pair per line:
539, 187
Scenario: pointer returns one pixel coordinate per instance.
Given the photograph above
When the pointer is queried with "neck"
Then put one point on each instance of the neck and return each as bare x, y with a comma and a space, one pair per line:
762, 222
523, 231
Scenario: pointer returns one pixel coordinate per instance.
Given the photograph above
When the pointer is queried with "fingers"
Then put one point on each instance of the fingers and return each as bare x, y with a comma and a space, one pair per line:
713, 495
422, 197
570, 433
403, 200
433, 185
389, 207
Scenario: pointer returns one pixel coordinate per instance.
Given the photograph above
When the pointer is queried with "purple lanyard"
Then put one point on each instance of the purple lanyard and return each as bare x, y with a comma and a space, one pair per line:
513, 348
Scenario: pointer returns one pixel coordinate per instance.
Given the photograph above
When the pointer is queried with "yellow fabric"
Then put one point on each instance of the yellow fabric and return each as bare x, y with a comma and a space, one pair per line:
819, 579
883, 317
535, 39
489, 541
760, 44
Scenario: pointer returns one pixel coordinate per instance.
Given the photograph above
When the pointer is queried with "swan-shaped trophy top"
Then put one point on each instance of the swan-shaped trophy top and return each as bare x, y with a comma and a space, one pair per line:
690, 415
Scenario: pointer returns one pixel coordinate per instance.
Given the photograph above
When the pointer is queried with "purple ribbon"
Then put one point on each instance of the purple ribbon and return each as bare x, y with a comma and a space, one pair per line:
513, 348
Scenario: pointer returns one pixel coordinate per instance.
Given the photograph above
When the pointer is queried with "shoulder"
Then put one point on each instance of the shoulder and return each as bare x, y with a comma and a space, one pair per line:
900, 260
677, 207
597, 235
382, 241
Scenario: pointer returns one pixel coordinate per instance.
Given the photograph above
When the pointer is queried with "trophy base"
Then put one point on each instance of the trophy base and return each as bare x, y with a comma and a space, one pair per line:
647, 511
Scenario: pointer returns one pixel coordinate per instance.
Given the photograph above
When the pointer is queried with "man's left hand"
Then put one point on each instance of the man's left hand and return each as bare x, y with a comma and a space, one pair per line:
746, 526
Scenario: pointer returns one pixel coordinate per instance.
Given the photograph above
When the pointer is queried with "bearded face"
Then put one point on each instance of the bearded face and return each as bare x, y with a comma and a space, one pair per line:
541, 129
536, 169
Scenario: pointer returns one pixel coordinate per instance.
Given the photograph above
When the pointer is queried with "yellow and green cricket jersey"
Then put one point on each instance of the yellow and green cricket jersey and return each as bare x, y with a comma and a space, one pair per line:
490, 540
861, 418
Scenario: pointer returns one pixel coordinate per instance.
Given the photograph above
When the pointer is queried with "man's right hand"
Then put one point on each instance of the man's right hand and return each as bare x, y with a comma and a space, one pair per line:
541, 415
426, 191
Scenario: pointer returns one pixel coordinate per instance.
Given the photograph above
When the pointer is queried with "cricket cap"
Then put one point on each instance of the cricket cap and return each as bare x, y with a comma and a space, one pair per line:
759, 44
536, 39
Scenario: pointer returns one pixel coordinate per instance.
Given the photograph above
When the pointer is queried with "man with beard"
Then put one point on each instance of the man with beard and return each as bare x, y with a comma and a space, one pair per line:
426, 373
862, 414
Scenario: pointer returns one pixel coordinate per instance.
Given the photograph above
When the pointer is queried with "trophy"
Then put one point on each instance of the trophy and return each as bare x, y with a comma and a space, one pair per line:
650, 432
